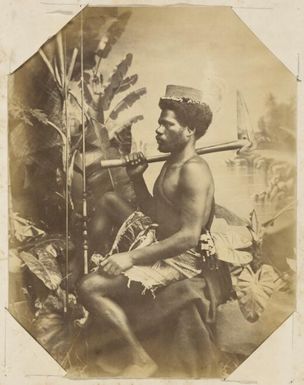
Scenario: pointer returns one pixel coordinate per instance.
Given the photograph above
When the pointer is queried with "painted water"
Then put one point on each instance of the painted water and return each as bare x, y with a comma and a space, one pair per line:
235, 187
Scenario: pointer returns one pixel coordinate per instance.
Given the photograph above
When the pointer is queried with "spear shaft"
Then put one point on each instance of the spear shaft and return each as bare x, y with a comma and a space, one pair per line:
234, 145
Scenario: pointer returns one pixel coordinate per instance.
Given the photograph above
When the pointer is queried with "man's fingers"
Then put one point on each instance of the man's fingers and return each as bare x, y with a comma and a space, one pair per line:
106, 268
142, 157
109, 267
111, 270
114, 270
103, 263
135, 159
127, 159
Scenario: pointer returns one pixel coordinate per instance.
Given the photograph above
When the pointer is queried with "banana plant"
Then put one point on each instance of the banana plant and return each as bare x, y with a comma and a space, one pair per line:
77, 94
60, 109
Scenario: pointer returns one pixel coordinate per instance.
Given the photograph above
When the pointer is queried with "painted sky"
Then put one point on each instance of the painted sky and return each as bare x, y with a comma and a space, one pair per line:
204, 47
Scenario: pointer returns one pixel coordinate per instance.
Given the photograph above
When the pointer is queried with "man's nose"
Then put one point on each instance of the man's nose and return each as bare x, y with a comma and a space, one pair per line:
160, 130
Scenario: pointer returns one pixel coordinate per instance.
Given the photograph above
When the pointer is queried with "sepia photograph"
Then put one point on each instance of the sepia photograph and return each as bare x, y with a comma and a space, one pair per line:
152, 193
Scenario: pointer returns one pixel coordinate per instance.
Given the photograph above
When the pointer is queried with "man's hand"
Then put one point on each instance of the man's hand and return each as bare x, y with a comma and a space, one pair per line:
137, 164
117, 263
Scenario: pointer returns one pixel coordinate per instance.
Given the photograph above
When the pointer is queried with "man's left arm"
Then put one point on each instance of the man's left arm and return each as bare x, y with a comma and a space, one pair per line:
196, 199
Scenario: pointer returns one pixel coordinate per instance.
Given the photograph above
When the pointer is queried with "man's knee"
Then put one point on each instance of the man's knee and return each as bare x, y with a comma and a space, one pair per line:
108, 200
96, 284
93, 284
114, 206
86, 288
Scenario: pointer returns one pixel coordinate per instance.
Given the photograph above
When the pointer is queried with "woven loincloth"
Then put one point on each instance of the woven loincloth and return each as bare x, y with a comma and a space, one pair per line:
138, 231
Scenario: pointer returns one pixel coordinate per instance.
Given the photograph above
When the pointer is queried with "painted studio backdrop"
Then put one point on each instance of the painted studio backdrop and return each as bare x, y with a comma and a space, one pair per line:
91, 93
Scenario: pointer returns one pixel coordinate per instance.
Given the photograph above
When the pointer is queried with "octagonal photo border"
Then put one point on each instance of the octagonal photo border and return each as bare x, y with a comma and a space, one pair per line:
286, 333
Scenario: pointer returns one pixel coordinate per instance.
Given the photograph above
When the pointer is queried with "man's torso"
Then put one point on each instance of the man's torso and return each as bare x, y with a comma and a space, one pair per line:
167, 198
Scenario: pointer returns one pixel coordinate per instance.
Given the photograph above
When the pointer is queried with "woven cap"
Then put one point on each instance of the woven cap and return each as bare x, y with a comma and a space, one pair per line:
183, 94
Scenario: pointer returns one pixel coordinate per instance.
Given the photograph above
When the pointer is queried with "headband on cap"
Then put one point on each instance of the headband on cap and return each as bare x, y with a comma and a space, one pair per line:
182, 94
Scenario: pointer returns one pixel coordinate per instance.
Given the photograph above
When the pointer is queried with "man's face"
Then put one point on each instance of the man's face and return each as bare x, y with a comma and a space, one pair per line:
170, 135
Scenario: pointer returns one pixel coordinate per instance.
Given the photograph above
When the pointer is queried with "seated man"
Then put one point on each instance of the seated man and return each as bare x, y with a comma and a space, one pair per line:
182, 206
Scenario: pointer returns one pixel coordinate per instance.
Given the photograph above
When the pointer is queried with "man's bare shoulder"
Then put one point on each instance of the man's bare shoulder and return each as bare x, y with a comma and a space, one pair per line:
196, 170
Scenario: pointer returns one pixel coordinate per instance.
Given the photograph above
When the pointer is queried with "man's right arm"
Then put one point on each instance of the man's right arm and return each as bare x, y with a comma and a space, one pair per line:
137, 165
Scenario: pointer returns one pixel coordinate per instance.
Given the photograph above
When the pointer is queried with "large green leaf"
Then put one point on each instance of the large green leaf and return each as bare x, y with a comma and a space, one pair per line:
45, 267
23, 229
233, 245
253, 290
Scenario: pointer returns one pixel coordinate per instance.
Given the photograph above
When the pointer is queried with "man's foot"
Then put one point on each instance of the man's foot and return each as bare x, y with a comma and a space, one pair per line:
139, 370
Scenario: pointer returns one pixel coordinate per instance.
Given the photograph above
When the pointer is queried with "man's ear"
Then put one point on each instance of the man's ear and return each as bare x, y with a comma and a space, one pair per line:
190, 131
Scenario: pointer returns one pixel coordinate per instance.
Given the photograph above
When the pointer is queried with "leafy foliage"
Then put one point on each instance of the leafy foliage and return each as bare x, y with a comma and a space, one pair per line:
39, 123
113, 34
254, 289
127, 102
45, 267
127, 83
118, 129
51, 334
114, 82
121, 135
24, 230
234, 245
277, 126
55, 109
229, 216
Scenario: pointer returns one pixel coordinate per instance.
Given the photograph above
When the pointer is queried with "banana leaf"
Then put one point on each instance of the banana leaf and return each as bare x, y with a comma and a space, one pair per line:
115, 129
115, 81
123, 141
127, 102
127, 83
113, 34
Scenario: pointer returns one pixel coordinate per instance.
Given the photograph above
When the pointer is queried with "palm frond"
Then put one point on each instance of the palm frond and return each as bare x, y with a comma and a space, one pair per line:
127, 102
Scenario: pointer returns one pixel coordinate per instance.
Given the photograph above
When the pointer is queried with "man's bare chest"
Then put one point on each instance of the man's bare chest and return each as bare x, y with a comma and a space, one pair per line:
166, 185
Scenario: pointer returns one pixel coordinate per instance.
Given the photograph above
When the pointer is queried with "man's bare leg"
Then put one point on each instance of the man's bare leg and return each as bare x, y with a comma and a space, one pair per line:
110, 210
95, 292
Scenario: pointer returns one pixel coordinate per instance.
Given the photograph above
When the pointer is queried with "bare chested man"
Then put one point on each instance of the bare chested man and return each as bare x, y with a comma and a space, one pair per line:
182, 205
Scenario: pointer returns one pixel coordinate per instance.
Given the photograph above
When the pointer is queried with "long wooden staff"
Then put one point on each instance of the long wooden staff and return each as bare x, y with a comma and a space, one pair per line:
228, 146
84, 184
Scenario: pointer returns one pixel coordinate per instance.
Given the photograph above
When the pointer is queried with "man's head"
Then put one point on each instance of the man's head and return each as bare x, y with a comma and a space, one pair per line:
183, 118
